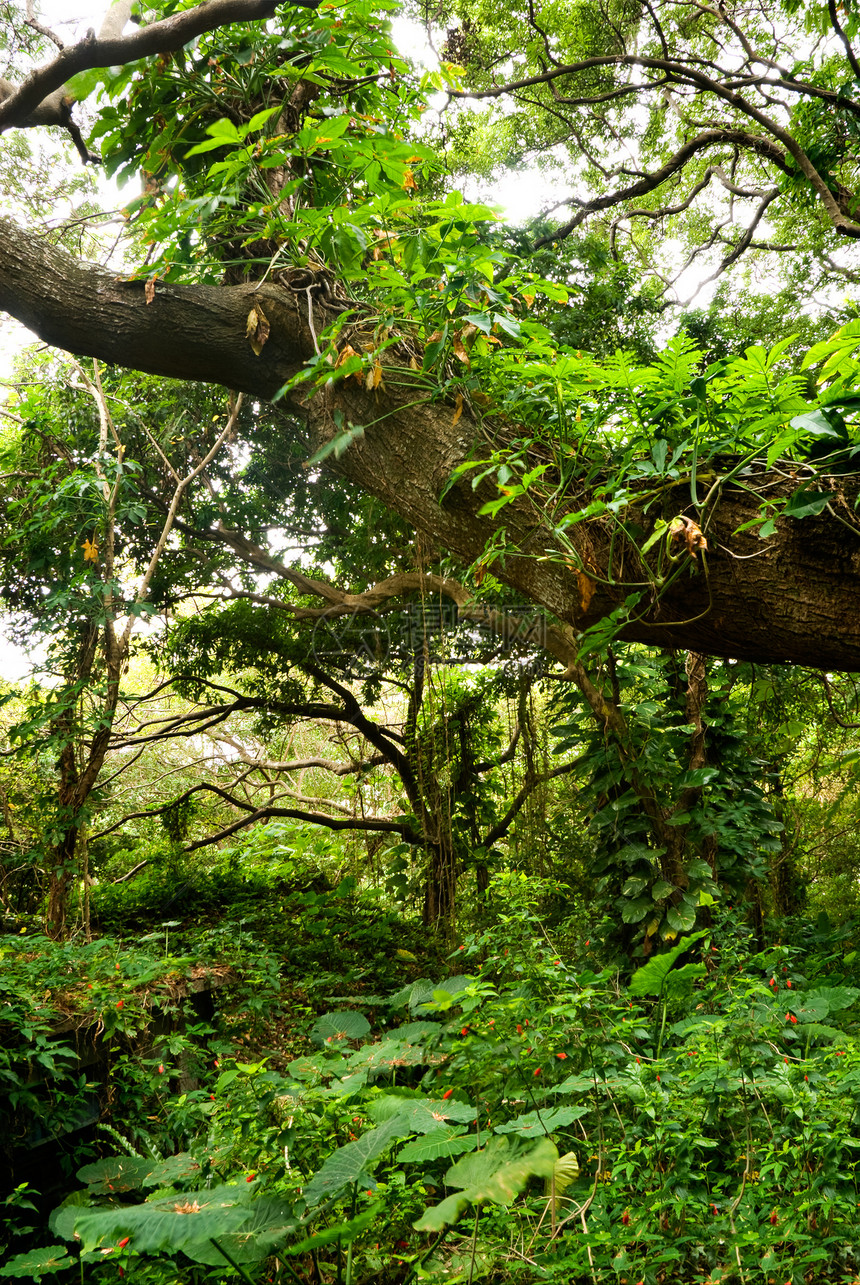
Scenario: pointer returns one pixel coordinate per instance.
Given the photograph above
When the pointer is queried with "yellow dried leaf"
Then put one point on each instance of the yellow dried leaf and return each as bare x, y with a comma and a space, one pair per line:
257, 329
586, 589
377, 374
346, 352
458, 408
409, 180
149, 290
684, 528
460, 351
528, 299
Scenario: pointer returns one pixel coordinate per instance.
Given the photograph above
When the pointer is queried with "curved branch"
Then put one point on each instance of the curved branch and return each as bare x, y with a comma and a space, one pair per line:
161, 37
710, 138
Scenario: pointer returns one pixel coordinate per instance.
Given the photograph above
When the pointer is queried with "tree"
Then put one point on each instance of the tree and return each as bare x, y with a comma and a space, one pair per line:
301, 248
200, 331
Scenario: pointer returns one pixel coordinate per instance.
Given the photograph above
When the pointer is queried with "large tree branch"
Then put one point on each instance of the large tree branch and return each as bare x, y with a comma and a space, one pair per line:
20, 105
794, 600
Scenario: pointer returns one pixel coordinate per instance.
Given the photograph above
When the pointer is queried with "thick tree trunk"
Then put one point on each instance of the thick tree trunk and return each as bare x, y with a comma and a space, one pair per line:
794, 600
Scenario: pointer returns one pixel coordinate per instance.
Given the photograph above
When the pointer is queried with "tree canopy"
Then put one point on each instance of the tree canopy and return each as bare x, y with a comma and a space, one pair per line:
426, 406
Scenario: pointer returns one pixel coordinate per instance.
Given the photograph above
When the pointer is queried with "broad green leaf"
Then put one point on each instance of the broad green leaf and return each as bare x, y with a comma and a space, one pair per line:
633, 911
439, 1145
496, 1173
332, 1028
535, 1123
565, 1171
248, 1227
38, 1263
116, 1174
805, 504
681, 917
651, 978
421, 1115
343, 1166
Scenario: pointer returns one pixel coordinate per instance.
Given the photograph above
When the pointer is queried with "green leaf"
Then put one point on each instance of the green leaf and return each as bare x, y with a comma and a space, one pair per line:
662, 888
344, 1166
496, 1173
805, 503
38, 1263
333, 1028
681, 917
439, 1145
535, 1123
116, 1174
421, 1115
816, 424
249, 1227
565, 1171
633, 911
651, 978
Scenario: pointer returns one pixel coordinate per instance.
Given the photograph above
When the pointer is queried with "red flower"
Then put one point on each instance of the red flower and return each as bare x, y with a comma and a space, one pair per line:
789, 1017
537, 1071
121, 1244
625, 1218
446, 1095
774, 1219
788, 982
561, 1056
161, 1068
250, 1177
120, 1003
772, 981
465, 1030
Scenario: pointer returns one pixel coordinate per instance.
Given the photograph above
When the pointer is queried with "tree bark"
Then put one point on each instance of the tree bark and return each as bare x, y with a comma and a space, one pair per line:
791, 598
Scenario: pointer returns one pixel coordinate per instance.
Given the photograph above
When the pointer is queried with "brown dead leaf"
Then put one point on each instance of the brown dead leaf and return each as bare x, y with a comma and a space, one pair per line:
346, 352
684, 528
461, 352
186, 1207
257, 329
149, 290
409, 180
458, 408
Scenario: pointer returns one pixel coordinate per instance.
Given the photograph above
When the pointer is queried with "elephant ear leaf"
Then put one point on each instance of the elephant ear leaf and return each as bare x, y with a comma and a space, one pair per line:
498, 1172
565, 1171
